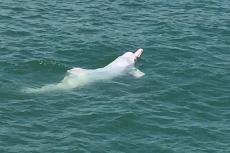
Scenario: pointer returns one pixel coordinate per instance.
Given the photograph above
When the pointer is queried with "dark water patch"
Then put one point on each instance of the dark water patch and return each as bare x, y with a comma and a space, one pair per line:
14, 33
5, 17
34, 17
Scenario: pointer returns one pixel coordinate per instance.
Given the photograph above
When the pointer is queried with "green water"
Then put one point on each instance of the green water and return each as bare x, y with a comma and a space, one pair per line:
181, 105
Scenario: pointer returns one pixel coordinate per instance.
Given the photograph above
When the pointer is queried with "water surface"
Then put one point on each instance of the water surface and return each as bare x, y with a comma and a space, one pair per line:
180, 105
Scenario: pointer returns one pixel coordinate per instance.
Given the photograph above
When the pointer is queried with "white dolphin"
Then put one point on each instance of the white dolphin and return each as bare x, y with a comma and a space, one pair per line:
124, 64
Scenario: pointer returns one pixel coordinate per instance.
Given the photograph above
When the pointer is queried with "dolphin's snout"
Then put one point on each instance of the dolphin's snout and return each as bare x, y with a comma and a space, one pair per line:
138, 52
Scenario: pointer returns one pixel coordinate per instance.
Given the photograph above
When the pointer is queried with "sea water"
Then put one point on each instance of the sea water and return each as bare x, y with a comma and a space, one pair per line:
181, 105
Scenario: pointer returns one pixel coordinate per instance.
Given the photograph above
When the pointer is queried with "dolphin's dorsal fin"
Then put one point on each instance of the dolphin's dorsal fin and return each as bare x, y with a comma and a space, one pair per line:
76, 70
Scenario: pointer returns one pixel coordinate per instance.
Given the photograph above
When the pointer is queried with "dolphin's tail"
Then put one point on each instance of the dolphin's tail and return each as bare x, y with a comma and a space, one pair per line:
69, 82
45, 88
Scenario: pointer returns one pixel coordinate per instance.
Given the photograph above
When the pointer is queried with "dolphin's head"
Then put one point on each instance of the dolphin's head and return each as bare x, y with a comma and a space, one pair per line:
132, 57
